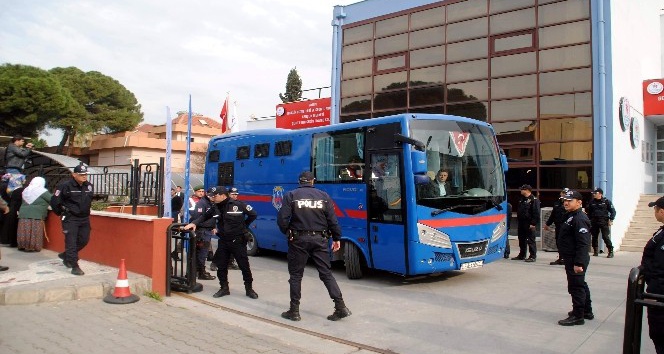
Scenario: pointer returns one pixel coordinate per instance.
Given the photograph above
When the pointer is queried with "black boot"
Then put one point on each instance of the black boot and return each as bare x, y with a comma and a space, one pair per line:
210, 255
223, 291
250, 291
595, 253
340, 311
203, 275
610, 253
293, 313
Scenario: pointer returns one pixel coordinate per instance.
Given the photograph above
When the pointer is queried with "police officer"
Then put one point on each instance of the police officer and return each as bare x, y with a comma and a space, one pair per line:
556, 218
528, 217
652, 263
203, 231
601, 213
72, 201
233, 218
307, 218
573, 245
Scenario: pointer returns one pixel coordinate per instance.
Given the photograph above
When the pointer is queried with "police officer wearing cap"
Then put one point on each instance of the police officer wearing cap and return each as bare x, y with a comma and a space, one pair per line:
307, 218
233, 218
528, 217
601, 213
556, 218
573, 247
72, 201
203, 231
652, 264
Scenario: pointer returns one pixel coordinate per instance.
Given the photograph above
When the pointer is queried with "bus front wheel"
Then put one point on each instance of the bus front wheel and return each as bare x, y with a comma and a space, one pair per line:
252, 245
353, 261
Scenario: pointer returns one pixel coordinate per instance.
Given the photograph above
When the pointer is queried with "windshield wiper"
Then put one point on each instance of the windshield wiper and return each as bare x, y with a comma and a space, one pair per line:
495, 205
440, 211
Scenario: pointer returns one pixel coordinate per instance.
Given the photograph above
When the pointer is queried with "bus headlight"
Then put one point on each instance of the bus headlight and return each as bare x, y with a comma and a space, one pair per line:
498, 231
432, 237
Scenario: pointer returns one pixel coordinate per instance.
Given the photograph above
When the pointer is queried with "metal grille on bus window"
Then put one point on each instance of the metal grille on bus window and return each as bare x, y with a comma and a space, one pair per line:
283, 148
225, 174
443, 257
242, 152
262, 150
214, 156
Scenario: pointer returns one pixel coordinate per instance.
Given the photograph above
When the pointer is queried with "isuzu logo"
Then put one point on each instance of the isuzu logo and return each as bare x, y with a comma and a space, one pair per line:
473, 249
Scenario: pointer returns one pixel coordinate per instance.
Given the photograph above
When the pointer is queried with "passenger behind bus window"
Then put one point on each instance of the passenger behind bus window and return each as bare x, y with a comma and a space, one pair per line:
378, 206
354, 169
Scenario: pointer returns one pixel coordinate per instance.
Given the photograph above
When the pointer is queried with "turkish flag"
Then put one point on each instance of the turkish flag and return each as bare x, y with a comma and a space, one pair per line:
460, 141
224, 116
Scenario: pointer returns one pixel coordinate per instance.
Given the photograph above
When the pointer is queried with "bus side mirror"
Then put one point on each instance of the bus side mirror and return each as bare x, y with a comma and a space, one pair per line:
503, 161
419, 161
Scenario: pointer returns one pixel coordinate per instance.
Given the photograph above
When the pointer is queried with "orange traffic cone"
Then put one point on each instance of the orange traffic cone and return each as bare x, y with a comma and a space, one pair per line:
121, 294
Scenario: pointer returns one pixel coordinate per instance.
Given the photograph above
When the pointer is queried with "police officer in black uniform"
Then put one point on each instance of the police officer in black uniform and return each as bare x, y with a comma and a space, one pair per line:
601, 213
233, 219
203, 235
556, 218
573, 248
72, 201
652, 263
307, 218
528, 217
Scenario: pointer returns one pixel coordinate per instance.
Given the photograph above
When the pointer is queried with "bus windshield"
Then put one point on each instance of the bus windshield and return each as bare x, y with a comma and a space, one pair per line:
463, 163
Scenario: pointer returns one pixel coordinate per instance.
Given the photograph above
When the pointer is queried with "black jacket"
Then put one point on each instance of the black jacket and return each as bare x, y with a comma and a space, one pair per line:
574, 238
232, 216
601, 210
203, 205
528, 211
308, 209
70, 198
557, 214
653, 262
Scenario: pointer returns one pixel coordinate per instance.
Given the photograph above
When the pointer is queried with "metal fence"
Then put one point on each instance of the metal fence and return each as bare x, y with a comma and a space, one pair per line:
637, 299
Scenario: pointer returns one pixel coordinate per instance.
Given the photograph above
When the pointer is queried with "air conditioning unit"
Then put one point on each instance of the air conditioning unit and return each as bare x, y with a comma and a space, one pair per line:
548, 238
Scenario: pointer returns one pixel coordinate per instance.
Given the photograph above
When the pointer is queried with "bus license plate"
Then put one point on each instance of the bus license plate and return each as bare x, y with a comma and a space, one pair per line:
472, 265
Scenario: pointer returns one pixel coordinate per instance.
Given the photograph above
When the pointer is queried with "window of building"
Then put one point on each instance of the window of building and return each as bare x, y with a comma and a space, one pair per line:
427, 96
387, 45
390, 81
390, 100
522, 108
468, 70
427, 18
515, 86
478, 27
356, 69
358, 33
496, 6
565, 81
468, 91
427, 37
428, 56
568, 33
516, 132
513, 21
566, 129
476, 110
568, 177
520, 154
356, 104
575, 104
513, 43
474, 49
392, 62
357, 51
392, 26
566, 153
565, 57
463, 10
564, 11
356, 87
433, 75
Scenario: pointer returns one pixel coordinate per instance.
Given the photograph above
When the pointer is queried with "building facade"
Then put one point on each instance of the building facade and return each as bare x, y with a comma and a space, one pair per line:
559, 80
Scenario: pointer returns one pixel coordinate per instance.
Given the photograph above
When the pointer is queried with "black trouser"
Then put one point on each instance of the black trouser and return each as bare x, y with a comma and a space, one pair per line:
578, 288
236, 247
299, 251
77, 236
203, 238
557, 233
527, 239
601, 225
656, 328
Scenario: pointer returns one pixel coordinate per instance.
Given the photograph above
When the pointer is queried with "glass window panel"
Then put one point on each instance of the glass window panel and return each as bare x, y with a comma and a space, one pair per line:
428, 56
477, 48
523, 63
660, 167
565, 129
357, 51
519, 154
430, 110
355, 87
390, 100
354, 117
566, 105
427, 76
466, 9
427, 96
517, 177
564, 11
505, 5
566, 153
476, 110
356, 68
513, 42
568, 33
388, 63
358, 34
390, 81
427, 18
392, 26
355, 104
566, 57
514, 86
660, 132
578, 177
459, 31
398, 43
660, 145
468, 70
427, 37
513, 109
513, 21
468, 91
516, 132
565, 81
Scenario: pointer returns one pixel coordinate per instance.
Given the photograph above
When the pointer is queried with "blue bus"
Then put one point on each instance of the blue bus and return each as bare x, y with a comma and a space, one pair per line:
380, 174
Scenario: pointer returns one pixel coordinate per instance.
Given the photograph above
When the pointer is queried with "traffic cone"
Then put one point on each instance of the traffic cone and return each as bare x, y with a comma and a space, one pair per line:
121, 294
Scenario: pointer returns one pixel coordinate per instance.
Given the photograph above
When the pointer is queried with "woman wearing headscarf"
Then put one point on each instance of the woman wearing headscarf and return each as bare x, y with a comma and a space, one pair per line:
31, 216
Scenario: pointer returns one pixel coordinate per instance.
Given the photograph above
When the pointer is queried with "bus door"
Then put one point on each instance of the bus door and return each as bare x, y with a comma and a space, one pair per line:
387, 239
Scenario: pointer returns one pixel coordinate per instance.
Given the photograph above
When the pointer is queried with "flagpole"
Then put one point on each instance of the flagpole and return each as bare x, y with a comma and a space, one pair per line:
186, 167
167, 169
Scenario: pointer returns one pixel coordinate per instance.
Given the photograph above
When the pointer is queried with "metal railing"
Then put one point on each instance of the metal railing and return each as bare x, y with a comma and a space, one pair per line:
181, 269
637, 299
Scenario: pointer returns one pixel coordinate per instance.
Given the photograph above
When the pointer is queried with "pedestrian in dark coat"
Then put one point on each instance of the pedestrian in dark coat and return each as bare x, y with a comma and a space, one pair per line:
556, 218
653, 272
528, 217
601, 213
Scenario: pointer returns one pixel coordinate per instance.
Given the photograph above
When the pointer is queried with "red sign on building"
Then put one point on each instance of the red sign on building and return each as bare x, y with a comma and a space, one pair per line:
653, 97
304, 114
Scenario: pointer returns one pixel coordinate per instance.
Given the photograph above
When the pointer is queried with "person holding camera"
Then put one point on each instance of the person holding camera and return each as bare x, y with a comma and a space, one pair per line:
16, 154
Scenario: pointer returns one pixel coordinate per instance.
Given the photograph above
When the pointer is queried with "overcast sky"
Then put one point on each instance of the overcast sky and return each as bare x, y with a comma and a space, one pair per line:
164, 50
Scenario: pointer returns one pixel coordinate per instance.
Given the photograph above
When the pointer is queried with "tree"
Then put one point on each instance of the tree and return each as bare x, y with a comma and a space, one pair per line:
29, 99
293, 87
102, 104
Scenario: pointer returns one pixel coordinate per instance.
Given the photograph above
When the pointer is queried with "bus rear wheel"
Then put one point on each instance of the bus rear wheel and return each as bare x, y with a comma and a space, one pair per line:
252, 245
353, 261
